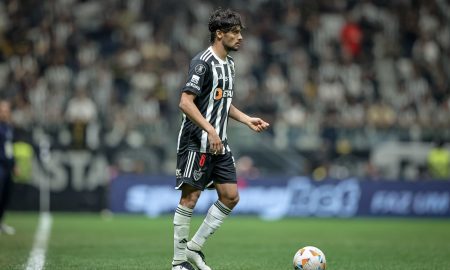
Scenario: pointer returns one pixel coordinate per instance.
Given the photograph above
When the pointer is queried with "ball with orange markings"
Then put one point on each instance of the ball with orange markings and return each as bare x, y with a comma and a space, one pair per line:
309, 258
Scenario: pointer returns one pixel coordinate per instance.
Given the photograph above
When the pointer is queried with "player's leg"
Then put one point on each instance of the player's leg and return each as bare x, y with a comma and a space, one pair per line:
191, 179
217, 213
181, 223
224, 175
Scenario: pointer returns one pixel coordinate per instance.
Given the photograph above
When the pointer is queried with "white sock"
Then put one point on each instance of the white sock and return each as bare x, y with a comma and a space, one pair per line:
181, 224
215, 217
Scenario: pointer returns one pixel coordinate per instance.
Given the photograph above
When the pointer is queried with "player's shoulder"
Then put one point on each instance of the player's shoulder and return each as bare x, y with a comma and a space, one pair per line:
205, 56
202, 62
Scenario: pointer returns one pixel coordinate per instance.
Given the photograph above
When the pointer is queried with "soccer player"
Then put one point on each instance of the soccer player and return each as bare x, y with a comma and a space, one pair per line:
204, 158
6, 163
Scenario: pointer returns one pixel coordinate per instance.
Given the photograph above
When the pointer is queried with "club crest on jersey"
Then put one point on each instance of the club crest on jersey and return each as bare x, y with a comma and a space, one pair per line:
200, 69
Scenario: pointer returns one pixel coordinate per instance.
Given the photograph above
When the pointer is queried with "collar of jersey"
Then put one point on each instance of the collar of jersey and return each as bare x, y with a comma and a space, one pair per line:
217, 57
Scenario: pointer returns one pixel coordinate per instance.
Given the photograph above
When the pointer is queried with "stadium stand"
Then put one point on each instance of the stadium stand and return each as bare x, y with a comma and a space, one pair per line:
336, 79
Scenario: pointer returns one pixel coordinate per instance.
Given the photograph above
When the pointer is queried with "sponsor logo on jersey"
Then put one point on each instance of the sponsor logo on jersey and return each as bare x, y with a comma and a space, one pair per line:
200, 69
219, 94
195, 79
189, 84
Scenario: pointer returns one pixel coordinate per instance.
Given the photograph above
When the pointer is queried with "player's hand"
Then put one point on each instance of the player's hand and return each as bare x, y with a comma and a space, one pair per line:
215, 143
257, 124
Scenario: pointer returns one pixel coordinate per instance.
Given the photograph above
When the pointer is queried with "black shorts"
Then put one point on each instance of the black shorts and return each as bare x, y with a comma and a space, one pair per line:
202, 170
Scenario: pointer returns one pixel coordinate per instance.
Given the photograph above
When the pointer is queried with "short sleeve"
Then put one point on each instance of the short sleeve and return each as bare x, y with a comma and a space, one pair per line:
198, 72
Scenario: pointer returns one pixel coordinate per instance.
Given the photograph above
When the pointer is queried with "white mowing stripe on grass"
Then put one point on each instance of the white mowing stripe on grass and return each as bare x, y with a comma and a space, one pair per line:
36, 260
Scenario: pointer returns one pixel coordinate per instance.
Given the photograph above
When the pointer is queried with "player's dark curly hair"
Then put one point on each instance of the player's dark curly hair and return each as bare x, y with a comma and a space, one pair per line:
223, 20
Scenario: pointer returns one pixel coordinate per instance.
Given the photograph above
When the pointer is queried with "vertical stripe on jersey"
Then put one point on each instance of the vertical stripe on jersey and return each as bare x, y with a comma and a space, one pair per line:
209, 109
230, 77
219, 110
181, 131
217, 125
225, 122
228, 102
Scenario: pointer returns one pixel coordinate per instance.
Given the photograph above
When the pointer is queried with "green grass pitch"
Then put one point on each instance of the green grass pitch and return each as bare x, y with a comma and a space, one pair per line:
89, 241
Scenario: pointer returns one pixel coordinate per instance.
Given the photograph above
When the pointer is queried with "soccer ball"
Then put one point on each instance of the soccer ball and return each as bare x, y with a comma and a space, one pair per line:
309, 258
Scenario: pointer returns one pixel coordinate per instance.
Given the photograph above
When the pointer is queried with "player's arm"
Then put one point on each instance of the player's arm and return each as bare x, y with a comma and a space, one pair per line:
254, 123
188, 107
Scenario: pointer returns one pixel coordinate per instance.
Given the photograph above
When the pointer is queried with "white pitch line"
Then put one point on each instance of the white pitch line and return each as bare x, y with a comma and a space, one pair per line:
36, 260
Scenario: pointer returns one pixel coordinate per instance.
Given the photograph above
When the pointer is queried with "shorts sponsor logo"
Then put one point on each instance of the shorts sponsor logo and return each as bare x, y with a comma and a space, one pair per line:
178, 173
200, 69
197, 175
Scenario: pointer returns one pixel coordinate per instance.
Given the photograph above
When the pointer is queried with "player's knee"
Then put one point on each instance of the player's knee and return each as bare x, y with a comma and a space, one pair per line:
235, 200
190, 200
230, 200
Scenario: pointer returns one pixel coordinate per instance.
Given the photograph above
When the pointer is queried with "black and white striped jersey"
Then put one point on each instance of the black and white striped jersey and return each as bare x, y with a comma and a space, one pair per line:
212, 80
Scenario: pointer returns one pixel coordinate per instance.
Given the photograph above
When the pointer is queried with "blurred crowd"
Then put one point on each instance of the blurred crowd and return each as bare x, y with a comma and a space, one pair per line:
343, 75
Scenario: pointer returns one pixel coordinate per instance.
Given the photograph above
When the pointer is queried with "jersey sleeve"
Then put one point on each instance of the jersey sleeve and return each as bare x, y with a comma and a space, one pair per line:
198, 74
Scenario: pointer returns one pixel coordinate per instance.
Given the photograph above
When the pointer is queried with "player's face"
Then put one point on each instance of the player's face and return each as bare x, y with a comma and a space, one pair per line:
232, 39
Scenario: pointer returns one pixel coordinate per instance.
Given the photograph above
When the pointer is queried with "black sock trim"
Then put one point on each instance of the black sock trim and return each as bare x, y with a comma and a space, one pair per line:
221, 208
183, 212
